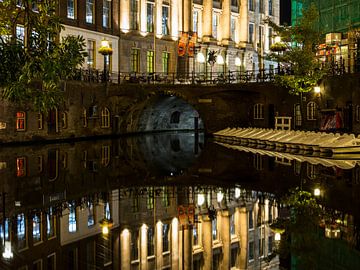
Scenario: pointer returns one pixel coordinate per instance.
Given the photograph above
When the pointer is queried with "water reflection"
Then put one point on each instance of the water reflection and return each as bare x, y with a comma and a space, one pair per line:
158, 202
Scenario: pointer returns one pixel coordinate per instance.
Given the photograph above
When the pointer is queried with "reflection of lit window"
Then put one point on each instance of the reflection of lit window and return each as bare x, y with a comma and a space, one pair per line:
150, 199
135, 204
20, 121
311, 171
107, 252
6, 222
270, 244
36, 221
214, 229
72, 217
21, 231
166, 197
40, 121
50, 224
150, 241
64, 120
196, 234
84, 118
21, 167
165, 243
91, 214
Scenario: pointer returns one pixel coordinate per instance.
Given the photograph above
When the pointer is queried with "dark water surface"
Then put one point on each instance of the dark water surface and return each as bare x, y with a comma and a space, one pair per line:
175, 201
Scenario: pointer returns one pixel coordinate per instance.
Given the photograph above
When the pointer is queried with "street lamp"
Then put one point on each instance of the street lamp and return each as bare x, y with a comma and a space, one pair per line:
278, 47
105, 50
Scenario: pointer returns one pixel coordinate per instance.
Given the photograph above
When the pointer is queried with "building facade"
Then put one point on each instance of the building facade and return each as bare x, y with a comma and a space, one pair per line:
173, 36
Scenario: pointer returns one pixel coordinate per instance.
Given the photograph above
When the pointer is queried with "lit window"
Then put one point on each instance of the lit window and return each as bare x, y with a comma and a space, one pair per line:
165, 62
233, 27
270, 7
50, 224
90, 11
215, 23
40, 121
91, 214
135, 60
71, 8
251, 219
72, 217
258, 162
105, 118
64, 120
150, 17
106, 13
134, 14
150, 61
311, 111
21, 231
297, 115
195, 20
251, 250
36, 222
107, 211
214, 229
251, 5
105, 155
165, 242
20, 121
165, 20
21, 167
91, 53
20, 33
259, 111
251, 33
150, 241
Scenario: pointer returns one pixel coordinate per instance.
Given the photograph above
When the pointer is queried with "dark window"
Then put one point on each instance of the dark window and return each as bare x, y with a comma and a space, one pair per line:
175, 118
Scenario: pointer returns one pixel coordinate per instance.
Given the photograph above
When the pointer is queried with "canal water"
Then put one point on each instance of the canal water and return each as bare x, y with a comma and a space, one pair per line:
175, 201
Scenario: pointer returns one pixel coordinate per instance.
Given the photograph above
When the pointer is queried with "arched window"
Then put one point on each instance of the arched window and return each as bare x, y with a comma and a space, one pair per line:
311, 110
105, 118
105, 155
175, 118
20, 121
259, 111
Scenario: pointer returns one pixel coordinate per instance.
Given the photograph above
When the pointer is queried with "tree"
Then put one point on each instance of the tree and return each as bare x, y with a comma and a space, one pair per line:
34, 65
299, 45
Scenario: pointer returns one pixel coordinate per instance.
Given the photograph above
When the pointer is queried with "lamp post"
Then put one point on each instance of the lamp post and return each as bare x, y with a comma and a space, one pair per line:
105, 50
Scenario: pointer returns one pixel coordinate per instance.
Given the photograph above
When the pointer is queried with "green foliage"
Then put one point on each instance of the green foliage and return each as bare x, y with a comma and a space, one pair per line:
300, 45
31, 71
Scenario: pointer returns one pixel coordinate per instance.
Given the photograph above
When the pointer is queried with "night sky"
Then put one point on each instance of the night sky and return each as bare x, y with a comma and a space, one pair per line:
285, 12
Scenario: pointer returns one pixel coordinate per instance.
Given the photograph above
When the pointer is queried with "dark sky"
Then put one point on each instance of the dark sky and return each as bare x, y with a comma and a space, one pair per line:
285, 12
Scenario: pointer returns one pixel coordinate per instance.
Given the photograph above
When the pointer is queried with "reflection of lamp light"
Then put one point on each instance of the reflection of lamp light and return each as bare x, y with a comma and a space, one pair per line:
317, 89
277, 236
200, 199
219, 196
200, 58
277, 39
220, 60
237, 193
317, 192
237, 61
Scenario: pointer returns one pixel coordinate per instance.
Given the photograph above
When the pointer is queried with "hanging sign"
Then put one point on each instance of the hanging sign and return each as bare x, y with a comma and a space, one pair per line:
182, 44
192, 43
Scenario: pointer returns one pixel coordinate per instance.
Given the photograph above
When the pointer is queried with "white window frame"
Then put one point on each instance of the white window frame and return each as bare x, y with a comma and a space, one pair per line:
259, 111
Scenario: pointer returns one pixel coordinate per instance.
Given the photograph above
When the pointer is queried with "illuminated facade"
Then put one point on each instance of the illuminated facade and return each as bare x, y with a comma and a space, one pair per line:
145, 35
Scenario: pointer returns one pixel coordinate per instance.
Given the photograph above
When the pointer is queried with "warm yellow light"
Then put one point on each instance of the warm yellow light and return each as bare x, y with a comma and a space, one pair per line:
200, 58
220, 60
200, 199
105, 43
317, 192
237, 61
317, 89
277, 236
105, 230
277, 39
